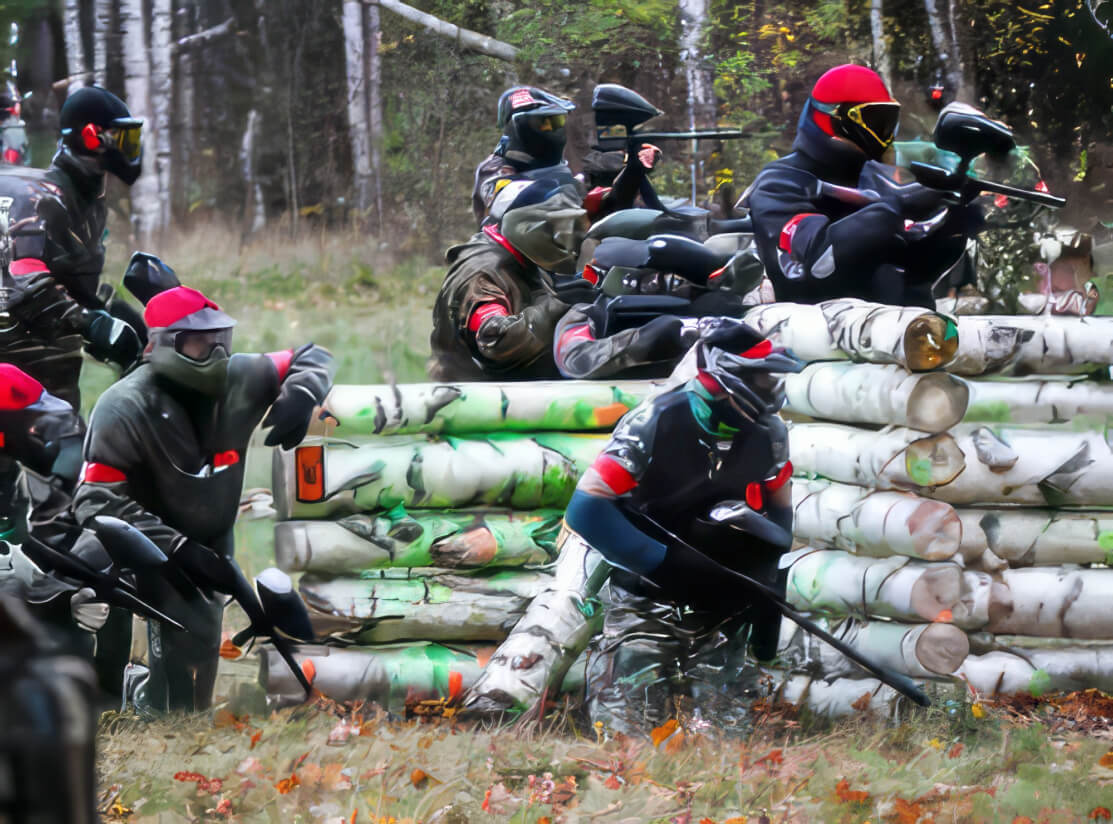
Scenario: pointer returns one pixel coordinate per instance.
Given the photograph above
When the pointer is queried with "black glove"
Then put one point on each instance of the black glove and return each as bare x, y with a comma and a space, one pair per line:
304, 388
110, 339
205, 568
661, 339
913, 201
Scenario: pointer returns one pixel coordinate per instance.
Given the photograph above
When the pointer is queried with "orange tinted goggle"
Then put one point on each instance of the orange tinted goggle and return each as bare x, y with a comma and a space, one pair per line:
879, 119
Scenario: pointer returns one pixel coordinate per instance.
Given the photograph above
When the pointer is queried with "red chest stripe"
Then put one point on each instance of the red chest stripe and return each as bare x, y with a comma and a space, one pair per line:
228, 458
484, 311
98, 473
790, 229
572, 334
614, 474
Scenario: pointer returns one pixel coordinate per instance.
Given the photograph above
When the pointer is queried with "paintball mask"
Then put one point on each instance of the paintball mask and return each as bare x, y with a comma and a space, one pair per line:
37, 429
746, 366
852, 102
532, 121
96, 122
190, 340
547, 224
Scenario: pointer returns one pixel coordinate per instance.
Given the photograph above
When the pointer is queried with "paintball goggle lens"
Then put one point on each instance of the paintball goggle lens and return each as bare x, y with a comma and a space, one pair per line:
128, 139
199, 345
546, 122
879, 120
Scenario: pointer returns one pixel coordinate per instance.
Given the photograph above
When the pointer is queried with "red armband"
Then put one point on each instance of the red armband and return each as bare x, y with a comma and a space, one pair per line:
790, 229
484, 311
614, 474
593, 203
98, 473
282, 361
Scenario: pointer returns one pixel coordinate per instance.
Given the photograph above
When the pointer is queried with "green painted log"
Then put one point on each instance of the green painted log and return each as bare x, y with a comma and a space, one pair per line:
393, 676
463, 408
450, 607
512, 470
555, 630
463, 539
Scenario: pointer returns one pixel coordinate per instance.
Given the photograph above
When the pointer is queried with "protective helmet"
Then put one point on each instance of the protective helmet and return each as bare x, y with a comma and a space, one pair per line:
190, 339
852, 103
97, 123
546, 222
532, 121
37, 429
736, 361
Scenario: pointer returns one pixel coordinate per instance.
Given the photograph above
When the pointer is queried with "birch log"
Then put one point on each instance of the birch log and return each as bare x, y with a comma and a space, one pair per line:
137, 82
1079, 402
464, 37
918, 651
477, 538
442, 608
878, 394
75, 47
102, 29
463, 408
849, 329
516, 471
354, 45
840, 697
1025, 345
838, 583
1037, 537
1053, 602
877, 524
1038, 671
556, 629
895, 458
1030, 467
162, 99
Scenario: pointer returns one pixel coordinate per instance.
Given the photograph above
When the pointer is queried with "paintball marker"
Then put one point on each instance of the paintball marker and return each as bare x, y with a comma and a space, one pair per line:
127, 547
902, 683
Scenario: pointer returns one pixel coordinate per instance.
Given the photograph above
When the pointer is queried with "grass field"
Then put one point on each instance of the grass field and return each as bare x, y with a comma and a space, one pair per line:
967, 762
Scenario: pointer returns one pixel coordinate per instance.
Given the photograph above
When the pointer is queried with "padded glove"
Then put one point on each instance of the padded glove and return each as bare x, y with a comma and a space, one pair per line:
89, 613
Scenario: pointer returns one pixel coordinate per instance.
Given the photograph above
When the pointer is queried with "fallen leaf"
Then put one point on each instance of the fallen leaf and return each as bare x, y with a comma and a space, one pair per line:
334, 779
1107, 760
935, 744
419, 778
849, 796
907, 812
772, 758
862, 703
662, 732
287, 784
612, 782
738, 819
977, 710
1101, 813
955, 751
256, 738
1022, 819
229, 651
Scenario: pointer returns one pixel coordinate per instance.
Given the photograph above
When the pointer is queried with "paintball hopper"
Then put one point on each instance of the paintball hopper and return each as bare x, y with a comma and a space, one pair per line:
126, 546
968, 133
147, 275
283, 604
618, 111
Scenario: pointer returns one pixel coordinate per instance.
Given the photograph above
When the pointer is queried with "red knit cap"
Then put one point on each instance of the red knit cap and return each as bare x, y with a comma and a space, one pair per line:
169, 307
18, 390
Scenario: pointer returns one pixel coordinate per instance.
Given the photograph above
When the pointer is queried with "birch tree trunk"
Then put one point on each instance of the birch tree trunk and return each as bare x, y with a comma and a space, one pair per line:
875, 524
895, 458
465, 38
355, 43
945, 49
849, 329
701, 94
162, 98
878, 394
465, 408
374, 76
255, 214
137, 81
102, 30
75, 46
880, 46
477, 538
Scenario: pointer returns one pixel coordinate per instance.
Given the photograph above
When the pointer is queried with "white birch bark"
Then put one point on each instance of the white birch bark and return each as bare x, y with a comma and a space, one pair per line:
840, 697
555, 630
162, 98
1053, 602
945, 49
464, 37
75, 47
878, 394
896, 458
255, 213
102, 30
1029, 467
137, 82
918, 651
1025, 345
880, 45
701, 95
1037, 537
871, 523
849, 329
354, 45
838, 583
1038, 671
1079, 402
374, 75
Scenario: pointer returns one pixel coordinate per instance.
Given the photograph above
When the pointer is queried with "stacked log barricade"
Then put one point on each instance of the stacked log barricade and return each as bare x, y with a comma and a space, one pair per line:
422, 520
954, 479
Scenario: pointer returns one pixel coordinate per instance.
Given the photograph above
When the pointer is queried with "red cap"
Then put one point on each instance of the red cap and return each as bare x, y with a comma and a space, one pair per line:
169, 307
27, 266
851, 84
18, 390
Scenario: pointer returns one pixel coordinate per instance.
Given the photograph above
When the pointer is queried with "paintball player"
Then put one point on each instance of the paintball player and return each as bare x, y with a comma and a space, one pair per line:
819, 244
708, 462
165, 452
497, 307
